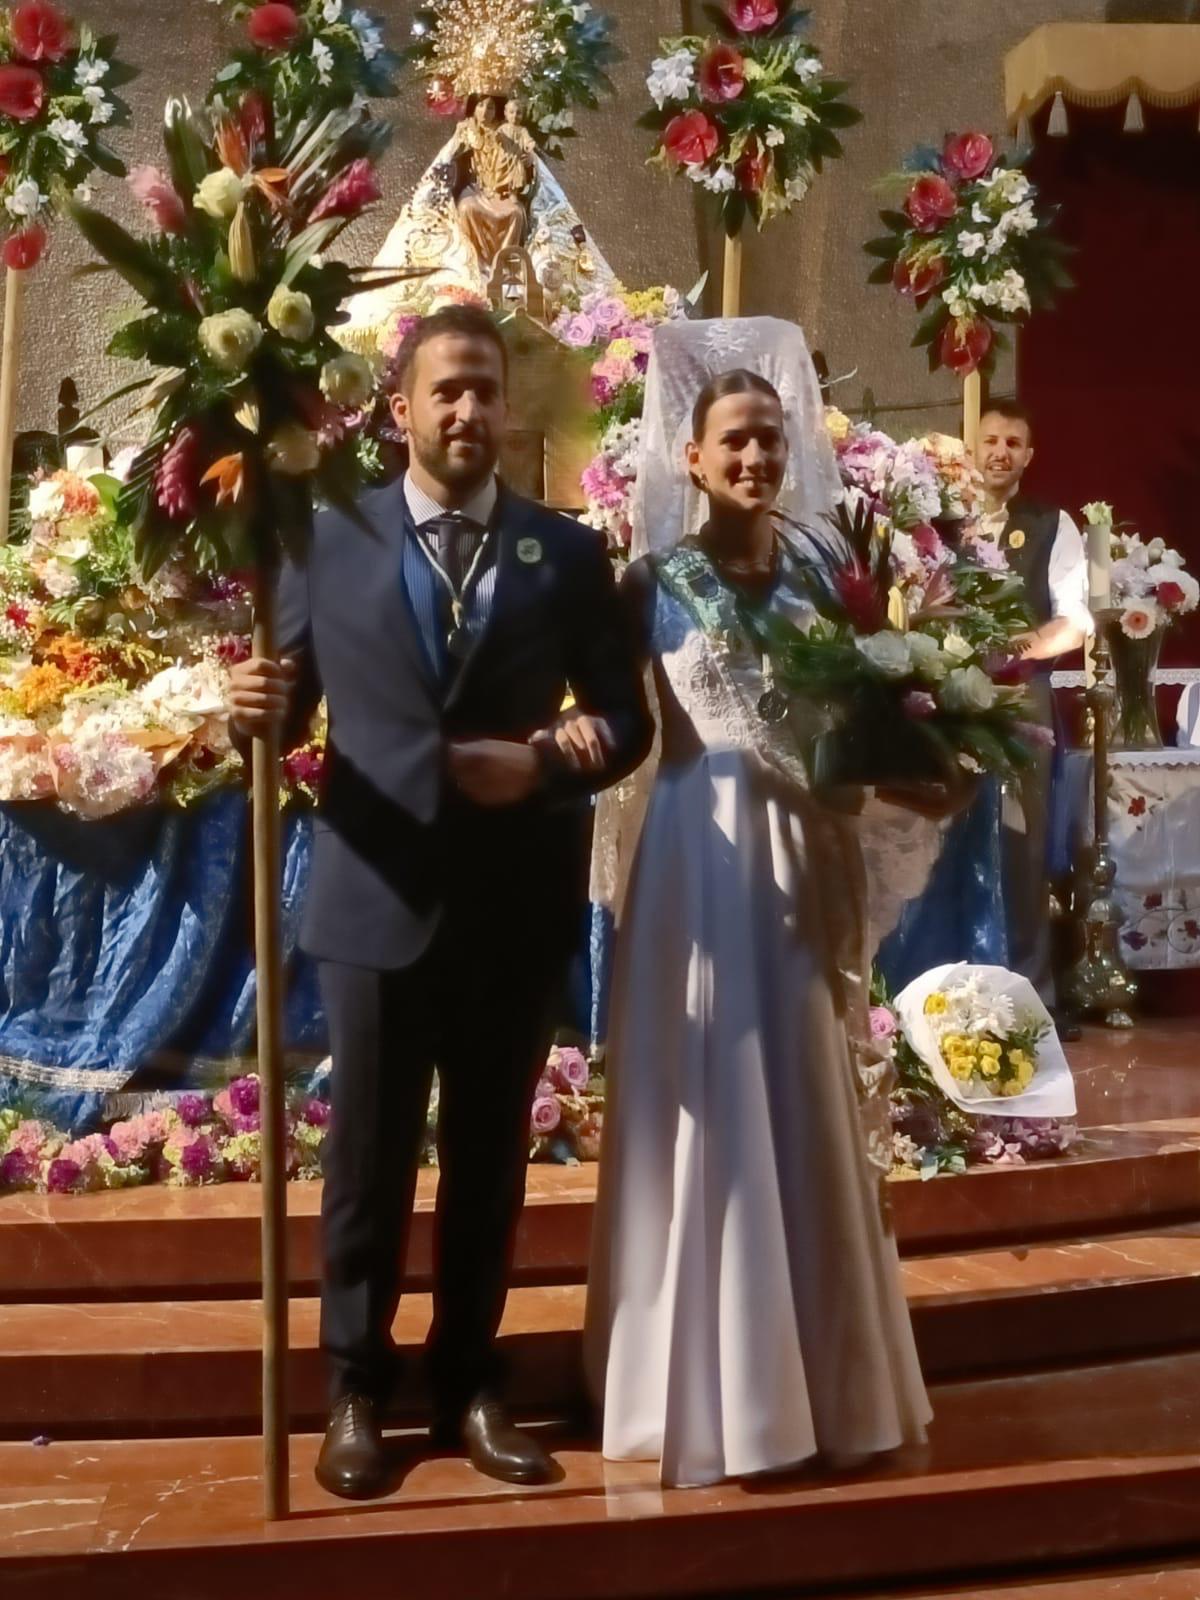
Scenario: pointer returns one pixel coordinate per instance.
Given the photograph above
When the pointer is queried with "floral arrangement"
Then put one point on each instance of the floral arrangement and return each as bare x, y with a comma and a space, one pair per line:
567, 1119
910, 653
968, 248
616, 331
113, 687
552, 55
1150, 586
917, 486
256, 405
931, 1136
986, 1046
201, 1139
748, 115
57, 83
311, 54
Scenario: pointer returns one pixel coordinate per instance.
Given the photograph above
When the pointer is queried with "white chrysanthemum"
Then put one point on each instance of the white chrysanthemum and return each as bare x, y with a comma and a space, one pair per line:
671, 77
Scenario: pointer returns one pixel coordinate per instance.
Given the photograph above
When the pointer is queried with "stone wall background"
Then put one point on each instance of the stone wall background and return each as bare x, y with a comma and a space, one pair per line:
917, 68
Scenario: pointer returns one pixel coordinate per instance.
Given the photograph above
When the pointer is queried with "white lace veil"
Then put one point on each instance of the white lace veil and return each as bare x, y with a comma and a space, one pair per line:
686, 355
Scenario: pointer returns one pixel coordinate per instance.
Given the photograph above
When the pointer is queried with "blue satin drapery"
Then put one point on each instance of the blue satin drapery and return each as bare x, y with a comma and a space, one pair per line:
125, 943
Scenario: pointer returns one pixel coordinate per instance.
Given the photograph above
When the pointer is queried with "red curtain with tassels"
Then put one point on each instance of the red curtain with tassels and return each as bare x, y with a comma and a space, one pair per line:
1112, 374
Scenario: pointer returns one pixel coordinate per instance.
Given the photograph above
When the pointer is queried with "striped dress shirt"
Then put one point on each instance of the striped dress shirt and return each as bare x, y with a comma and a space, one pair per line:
427, 592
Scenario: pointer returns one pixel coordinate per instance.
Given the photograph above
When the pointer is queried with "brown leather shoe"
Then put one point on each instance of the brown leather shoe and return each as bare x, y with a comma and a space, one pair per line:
499, 1450
353, 1462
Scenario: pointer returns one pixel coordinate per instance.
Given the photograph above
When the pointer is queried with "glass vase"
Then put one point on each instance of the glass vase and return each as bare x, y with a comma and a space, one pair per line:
1135, 714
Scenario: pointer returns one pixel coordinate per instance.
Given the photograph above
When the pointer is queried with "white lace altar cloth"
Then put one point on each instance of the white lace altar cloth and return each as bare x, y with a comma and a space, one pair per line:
1154, 834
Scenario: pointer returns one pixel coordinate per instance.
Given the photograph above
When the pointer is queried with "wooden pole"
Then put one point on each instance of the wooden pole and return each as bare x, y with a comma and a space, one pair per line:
731, 284
10, 362
972, 410
269, 967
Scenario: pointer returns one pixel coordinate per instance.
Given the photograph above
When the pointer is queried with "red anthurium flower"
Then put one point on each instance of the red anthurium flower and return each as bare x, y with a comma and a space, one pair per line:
721, 74
931, 201
967, 156
39, 32
273, 26
919, 282
965, 344
25, 249
690, 139
752, 168
22, 93
753, 16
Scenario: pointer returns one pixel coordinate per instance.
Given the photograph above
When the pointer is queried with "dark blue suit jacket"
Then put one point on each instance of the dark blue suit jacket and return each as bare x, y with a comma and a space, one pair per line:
396, 850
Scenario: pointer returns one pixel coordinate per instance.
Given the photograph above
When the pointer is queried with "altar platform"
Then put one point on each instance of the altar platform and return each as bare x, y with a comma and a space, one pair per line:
1057, 1308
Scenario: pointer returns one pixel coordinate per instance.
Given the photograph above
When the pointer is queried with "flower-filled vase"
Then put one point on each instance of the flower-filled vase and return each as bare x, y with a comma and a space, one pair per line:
1135, 713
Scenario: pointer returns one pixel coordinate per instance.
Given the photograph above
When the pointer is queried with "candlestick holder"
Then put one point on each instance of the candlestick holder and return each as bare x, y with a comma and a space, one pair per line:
1100, 984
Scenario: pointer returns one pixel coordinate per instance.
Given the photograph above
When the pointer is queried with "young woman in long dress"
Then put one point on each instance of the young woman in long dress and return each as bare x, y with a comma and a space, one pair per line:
745, 1311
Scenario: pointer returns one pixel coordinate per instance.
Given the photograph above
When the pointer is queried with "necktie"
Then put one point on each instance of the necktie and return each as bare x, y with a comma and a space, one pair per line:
454, 540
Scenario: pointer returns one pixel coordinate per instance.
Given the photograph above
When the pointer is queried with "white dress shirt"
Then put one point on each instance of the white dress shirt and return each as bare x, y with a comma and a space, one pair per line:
1068, 575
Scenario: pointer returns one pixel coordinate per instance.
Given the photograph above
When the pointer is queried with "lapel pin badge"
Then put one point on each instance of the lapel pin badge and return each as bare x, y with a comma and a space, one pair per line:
1016, 539
529, 551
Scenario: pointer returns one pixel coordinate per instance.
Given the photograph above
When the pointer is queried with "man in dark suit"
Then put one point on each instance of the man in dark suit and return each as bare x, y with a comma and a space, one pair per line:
449, 868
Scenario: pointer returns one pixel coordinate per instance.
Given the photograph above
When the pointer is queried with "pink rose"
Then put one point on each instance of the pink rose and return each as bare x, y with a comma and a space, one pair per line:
931, 201
160, 198
546, 1115
608, 314
578, 331
967, 156
691, 139
883, 1023
568, 1070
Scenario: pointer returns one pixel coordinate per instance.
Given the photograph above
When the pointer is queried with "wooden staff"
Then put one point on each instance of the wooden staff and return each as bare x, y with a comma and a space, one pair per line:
14, 306
972, 411
268, 954
731, 286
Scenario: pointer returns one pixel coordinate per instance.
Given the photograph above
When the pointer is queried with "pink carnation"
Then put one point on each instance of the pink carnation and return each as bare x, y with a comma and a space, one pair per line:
194, 1110
316, 1113
244, 1096
64, 1177
30, 1137
19, 1170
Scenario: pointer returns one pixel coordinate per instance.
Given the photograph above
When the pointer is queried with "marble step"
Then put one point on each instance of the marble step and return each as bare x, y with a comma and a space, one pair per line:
173, 1244
1088, 1466
68, 1370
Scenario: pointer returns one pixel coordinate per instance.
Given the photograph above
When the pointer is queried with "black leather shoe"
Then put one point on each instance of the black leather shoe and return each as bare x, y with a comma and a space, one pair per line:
499, 1450
353, 1462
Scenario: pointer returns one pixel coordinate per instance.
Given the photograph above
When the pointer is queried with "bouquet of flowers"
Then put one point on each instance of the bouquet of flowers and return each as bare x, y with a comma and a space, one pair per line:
749, 115
257, 405
567, 1118
319, 54
551, 54
616, 331
57, 83
968, 248
1150, 586
918, 486
907, 655
983, 1036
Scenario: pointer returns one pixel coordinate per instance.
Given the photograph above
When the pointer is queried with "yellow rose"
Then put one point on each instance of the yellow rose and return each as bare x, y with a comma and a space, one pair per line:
988, 1047
290, 313
936, 1005
220, 194
293, 450
990, 1066
346, 381
837, 424
229, 339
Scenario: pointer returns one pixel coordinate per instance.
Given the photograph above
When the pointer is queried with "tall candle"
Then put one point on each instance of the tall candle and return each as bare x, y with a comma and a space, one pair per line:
1099, 549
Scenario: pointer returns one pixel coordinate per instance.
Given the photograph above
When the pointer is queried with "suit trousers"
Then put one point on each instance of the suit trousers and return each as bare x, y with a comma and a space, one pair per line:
478, 1009
1025, 815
